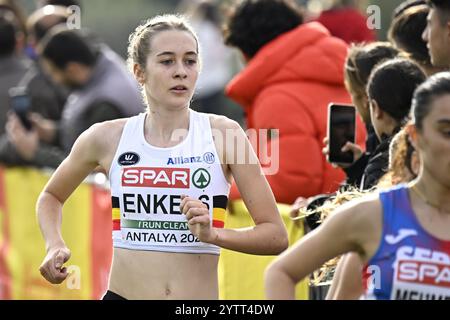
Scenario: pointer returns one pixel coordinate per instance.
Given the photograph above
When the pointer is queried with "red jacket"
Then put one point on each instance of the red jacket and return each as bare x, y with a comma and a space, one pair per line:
348, 24
288, 86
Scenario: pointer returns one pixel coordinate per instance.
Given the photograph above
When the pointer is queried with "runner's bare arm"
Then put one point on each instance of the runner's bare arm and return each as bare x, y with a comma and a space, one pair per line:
354, 226
269, 235
347, 281
82, 160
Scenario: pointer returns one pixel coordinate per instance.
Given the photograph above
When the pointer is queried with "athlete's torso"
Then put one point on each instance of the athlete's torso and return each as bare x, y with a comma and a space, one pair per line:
147, 183
155, 255
410, 263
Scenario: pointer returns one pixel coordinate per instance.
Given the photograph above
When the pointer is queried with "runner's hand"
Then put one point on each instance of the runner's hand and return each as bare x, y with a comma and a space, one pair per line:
197, 215
52, 267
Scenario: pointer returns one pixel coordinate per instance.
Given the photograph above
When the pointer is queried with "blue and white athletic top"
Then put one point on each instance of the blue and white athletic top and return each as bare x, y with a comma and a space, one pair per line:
410, 263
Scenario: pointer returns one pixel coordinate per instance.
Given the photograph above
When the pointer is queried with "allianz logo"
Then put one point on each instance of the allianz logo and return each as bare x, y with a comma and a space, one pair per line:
208, 157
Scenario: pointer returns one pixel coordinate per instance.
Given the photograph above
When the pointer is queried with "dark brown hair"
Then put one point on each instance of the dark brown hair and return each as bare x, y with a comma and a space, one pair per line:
392, 85
253, 23
406, 33
360, 61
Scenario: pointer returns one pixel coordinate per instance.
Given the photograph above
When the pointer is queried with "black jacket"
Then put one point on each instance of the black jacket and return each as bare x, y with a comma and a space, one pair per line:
377, 166
356, 170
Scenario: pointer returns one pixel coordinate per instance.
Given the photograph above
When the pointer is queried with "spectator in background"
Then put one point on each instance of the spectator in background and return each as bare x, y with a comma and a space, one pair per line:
390, 90
361, 60
62, 10
406, 31
67, 4
12, 66
217, 68
436, 33
20, 20
345, 21
405, 5
389, 93
362, 225
101, 89
63, 3
294, 71
46, 98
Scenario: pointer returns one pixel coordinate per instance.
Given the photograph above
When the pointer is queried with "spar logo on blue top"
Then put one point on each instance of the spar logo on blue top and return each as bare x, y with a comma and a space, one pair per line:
208, 158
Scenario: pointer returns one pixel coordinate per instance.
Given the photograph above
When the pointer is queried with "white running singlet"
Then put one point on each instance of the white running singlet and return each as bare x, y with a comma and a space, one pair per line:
147, 183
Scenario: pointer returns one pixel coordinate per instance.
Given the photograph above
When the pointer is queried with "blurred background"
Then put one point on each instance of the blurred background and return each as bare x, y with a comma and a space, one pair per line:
113, 20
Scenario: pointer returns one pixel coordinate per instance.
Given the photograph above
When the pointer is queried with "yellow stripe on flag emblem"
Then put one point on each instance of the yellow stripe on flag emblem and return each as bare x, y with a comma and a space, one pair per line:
219, 214
115, 213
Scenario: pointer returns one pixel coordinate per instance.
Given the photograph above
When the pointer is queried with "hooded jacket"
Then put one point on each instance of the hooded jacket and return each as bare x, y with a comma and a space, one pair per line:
287, 86
348, 24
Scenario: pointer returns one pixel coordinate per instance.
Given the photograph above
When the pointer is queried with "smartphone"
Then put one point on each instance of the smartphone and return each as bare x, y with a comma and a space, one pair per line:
21, 103
341, 128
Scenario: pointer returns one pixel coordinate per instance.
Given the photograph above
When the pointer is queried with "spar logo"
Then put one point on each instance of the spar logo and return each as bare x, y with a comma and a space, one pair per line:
425, 266
435, 274
156, 177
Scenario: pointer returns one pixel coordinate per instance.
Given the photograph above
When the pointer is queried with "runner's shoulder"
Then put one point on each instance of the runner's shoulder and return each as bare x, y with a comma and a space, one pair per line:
107, 130
104, 135
222, 123
362, 217
363, 207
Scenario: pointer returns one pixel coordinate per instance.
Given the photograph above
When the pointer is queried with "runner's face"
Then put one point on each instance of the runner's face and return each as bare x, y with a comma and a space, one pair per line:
434, 141
437, 36
172, 69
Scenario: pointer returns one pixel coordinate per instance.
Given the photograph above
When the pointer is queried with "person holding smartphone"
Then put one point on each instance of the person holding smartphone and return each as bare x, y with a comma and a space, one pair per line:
20, 103
389, 92
361, 60
390, 88
341, 130
12, 66
404, 232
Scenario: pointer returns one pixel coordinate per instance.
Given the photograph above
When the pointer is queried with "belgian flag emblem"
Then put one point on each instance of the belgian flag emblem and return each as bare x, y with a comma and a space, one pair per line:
219, 207
115, 213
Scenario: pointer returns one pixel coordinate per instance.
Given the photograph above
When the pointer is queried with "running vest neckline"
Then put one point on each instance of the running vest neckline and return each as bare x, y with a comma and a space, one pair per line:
150, 146
147, 183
